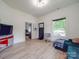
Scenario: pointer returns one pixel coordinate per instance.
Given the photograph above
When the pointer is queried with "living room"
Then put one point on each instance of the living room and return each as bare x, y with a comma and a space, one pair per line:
17, 12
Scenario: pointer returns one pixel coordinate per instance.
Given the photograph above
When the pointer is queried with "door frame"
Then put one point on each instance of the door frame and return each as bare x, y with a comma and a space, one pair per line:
31, 29
41, 27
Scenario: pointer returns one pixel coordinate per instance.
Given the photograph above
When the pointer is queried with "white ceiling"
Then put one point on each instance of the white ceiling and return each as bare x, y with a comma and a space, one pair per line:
28, 7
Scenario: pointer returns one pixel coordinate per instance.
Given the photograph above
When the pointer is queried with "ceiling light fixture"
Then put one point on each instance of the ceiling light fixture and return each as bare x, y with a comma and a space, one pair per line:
40, 3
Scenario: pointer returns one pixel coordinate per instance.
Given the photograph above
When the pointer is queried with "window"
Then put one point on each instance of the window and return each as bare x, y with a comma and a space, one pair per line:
59, 27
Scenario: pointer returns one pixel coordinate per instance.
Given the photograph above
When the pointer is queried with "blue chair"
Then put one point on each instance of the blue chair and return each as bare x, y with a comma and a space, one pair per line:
73, 51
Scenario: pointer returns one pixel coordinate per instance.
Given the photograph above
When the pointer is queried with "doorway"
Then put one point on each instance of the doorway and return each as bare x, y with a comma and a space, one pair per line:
59, 30
41, 31
28, 30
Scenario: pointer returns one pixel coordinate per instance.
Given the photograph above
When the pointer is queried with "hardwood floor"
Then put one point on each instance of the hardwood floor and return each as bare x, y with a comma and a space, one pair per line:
31, 49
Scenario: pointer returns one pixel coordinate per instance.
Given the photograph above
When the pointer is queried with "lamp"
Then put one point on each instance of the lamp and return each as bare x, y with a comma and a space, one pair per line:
40, 3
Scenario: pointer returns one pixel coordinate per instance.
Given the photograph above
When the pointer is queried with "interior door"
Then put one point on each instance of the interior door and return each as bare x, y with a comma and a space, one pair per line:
41, 31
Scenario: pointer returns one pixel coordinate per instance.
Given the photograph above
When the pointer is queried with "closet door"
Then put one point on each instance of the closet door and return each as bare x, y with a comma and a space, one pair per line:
41, 31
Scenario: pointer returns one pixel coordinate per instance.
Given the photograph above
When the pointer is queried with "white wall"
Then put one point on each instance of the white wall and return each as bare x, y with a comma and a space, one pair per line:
72, 21
17, 19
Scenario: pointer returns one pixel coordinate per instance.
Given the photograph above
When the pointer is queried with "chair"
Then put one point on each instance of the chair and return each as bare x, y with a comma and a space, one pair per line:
73, 51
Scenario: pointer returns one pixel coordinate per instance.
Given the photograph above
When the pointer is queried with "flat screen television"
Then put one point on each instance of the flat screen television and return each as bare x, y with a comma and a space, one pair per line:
5, 29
